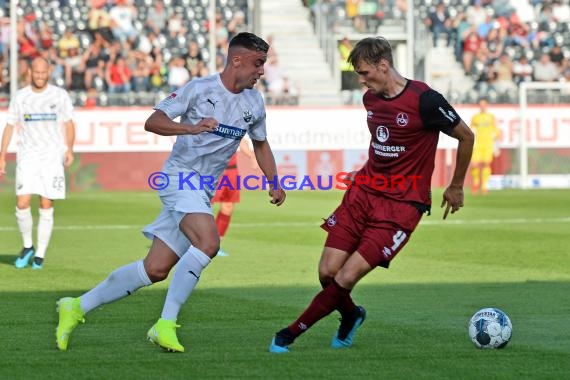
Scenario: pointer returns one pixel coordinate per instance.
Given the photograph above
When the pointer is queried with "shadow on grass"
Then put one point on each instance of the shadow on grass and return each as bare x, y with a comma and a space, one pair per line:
411, 329
8, 259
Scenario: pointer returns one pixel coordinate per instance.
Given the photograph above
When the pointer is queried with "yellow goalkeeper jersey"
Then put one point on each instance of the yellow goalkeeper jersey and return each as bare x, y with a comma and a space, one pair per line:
486, 130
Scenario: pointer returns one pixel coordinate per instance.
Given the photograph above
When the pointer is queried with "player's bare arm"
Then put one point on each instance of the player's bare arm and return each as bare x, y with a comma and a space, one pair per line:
266, 162
453, 195
70, 137
6, 138
162, 125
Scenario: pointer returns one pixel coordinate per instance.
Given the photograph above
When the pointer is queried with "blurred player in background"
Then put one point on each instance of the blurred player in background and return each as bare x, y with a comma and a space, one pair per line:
487, 135
38, 111
215, 112
228, 196
374, 222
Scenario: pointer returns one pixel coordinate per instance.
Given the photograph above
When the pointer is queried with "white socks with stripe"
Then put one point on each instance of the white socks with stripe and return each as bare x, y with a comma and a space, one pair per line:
185, 279
123, 282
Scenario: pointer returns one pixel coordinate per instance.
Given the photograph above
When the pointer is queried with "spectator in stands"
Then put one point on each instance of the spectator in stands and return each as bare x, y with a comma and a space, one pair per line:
545, 70
522, 70
236, 24
141, 76
504, 83
122, 14
461, 28
439, 22
157, 17
471, 44
178, 75
26, 45
494, 44
193, 56
556, 55
94, 60
175, 26
118, 76
99, 21
476, 14
561, 11
67, 42
73, 64
46, 37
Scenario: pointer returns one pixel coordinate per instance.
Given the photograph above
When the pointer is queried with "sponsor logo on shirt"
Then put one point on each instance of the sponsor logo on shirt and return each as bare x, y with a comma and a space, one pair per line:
382, 133
229, 132
40, 117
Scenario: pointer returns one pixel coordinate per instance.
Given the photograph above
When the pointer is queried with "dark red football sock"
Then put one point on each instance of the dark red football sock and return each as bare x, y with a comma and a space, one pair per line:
222, 222
322, 305
347, 305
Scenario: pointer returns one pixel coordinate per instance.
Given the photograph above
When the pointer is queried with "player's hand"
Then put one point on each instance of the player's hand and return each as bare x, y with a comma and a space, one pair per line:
2, 167
208, 124
277, 196
68, 159
452, 199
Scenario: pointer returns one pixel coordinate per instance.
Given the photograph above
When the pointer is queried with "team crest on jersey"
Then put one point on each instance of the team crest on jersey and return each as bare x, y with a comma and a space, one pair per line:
382, 133
247, 116
331, 221
402, 119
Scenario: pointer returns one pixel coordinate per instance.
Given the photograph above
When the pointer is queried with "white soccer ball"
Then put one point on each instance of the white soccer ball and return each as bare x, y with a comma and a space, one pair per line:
490, 328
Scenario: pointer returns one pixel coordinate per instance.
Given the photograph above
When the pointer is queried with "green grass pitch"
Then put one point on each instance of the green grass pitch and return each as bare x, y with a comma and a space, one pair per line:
509, 249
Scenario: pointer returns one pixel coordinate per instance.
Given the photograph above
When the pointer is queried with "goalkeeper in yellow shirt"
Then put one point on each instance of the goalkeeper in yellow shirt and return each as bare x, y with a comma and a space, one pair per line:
487, 136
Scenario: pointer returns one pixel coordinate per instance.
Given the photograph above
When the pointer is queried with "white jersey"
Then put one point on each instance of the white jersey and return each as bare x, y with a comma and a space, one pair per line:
208, 153
38, 117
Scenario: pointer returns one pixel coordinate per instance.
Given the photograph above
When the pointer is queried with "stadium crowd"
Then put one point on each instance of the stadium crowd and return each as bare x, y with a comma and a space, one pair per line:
123, 52
126, 52
499, 43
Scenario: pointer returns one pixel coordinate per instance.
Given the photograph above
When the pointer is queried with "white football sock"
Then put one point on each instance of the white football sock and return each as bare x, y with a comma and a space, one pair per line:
25, 224
123, 282
45, 226
186, 276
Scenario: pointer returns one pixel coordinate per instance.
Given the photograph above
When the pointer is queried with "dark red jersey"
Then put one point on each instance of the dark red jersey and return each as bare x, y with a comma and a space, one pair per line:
405, 131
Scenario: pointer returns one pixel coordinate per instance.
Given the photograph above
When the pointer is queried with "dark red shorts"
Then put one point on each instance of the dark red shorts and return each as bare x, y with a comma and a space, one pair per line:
227, 193
375, 226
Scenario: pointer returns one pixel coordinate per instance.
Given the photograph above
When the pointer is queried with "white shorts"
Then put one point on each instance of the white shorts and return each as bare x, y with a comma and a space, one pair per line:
45, 179
175, 205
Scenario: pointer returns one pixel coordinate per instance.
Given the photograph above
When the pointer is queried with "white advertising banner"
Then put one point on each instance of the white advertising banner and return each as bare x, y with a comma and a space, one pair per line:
344, 128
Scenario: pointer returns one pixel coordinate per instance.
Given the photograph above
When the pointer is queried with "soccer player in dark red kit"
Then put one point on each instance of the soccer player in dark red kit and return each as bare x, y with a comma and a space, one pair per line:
377, 217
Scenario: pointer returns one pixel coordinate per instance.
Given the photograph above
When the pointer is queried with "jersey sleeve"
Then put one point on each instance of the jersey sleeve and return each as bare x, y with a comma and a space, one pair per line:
13, 117
259, 129
437, 113
66, 107
178, 102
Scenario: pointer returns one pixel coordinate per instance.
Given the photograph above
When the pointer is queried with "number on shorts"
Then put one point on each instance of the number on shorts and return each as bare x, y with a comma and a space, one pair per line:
398, 239
58, 183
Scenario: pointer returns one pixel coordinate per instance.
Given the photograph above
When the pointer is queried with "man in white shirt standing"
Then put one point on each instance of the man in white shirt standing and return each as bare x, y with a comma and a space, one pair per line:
38, 112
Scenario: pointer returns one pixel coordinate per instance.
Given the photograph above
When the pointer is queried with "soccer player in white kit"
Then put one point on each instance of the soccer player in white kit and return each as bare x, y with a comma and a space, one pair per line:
38, 111
215, 112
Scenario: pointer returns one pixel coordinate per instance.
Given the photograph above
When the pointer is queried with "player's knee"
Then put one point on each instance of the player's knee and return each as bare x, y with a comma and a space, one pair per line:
210, 248
156, 273
325, 279
345, 279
